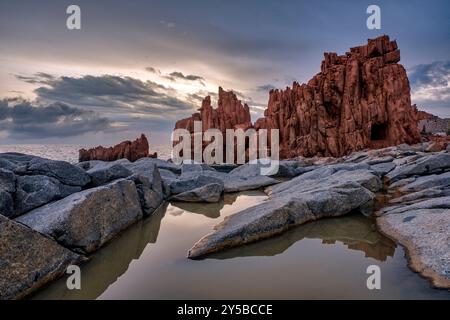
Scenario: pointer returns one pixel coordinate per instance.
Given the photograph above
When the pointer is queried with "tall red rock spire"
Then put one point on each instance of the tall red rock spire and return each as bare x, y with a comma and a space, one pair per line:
229, 114
359, 100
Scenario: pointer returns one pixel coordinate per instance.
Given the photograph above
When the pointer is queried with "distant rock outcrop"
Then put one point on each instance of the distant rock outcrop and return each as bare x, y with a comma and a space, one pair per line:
359, 100
229, 114
131, 150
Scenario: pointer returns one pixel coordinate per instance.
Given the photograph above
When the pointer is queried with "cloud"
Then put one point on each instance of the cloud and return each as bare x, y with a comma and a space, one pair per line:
189, 77
265, 88
115, 95
153, 70
168, 24
24, 119
435, 74
176, 75
431, 82
38, 78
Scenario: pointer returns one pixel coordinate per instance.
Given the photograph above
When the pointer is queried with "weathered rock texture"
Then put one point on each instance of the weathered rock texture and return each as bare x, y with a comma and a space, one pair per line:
28, 260
418, 213
359, 100
131, 150
28, 182
229, 114
86, 220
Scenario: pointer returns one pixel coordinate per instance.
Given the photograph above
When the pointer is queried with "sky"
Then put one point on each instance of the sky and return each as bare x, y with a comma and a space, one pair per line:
138, 66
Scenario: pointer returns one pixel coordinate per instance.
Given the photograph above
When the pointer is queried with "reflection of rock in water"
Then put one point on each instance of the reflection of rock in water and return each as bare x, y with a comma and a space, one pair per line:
210, 210
110, 262
355, 231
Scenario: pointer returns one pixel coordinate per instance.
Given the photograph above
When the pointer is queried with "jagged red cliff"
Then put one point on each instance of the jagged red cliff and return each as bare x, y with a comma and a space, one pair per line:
229, 114
358, 100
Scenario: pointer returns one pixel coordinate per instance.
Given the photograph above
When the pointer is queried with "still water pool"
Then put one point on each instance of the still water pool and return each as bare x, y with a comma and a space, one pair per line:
326, 259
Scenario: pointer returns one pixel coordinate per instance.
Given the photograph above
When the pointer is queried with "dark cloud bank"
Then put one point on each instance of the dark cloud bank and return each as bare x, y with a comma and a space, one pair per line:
114, 94
70, 106
23, 119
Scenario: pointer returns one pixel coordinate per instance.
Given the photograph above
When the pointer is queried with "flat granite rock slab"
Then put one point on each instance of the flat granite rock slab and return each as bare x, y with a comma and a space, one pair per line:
28, 260
291, 205
424, 229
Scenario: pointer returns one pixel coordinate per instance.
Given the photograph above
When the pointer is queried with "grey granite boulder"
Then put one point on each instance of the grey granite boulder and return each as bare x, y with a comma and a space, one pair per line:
291, 169
7, 190
247, 177
434, 163
208, 193
224, 167
188, 183
167, 177
338, 172
86, 220
378, 160
6, 164
425, 182
144, 164
65, 172
290, 205
419, 195
150, 195
383, 168
195, 168
35, 191
6, 204
17, 158
236, 184
29, 260
104, 172
423, 227
7, 180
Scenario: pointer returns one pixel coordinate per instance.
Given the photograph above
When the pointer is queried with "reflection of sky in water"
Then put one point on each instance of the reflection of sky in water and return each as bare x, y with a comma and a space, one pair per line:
323, 259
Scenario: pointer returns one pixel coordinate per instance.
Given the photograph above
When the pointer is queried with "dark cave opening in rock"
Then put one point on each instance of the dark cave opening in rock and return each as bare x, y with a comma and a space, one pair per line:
378, 132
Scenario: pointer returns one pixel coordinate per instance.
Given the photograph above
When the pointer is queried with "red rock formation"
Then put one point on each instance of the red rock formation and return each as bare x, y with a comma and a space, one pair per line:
359, 100
131, 150
422, 115
229, 114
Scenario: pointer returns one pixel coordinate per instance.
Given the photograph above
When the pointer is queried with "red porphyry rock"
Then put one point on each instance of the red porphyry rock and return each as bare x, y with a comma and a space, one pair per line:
422, 115
229, 114
359, 100
131, 150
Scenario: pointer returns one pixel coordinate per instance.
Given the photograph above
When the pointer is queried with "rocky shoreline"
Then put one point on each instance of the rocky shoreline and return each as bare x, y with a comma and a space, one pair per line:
405, 188
54, 214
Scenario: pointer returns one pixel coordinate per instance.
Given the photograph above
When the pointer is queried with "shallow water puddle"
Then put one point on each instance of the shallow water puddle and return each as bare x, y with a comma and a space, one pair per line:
322, 259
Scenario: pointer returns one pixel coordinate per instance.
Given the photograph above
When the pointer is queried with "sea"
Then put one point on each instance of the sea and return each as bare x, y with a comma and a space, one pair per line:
69, 152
